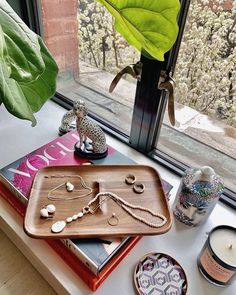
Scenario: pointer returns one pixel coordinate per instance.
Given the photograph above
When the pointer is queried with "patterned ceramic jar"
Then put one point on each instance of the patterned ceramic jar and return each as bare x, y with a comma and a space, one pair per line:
198, 193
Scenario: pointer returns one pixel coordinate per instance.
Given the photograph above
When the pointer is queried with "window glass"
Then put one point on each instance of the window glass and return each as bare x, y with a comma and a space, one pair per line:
205, 93
89, 52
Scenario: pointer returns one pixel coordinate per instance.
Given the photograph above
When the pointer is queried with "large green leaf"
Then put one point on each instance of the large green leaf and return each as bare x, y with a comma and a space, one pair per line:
13, 97
2, 43
24, 56
27, 70
39, 90
148, 25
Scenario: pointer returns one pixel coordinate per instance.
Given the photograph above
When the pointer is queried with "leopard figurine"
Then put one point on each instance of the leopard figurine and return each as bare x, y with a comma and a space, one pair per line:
66, 121
88, 129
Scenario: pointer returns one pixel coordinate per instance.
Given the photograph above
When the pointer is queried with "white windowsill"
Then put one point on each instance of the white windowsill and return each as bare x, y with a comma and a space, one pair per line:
17, 138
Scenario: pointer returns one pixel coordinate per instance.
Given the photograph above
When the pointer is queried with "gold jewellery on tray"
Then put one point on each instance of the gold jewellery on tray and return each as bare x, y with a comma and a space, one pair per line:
69, 188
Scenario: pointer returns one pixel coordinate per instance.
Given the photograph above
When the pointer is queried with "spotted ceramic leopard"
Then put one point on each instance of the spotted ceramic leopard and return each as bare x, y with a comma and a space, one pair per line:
87, 128
66, 121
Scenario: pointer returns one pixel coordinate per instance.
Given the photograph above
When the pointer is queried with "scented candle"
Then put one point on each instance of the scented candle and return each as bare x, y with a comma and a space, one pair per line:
217, 260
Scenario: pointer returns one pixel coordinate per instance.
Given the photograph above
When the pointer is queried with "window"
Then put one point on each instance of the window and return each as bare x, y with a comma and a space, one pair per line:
89, 53
205, 94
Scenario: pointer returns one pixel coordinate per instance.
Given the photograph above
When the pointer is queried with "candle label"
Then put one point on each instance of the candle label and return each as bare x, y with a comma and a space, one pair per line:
214, 269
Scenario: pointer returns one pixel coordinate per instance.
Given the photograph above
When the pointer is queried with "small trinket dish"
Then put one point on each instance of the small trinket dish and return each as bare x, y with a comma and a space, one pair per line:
159, 273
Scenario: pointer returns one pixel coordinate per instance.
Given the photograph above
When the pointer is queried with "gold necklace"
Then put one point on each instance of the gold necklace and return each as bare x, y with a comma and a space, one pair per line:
60, 225
82, 184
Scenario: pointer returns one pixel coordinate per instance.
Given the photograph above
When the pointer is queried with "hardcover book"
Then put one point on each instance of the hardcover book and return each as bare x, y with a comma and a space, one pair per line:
18, 177
70, 257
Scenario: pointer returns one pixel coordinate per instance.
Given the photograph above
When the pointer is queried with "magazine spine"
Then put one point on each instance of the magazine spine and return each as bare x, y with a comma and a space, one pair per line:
97, 281
21, 197
93, 281
81, 256
15, 203
75, 263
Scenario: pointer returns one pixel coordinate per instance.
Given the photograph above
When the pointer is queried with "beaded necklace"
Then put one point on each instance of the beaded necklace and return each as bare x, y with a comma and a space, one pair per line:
89, 209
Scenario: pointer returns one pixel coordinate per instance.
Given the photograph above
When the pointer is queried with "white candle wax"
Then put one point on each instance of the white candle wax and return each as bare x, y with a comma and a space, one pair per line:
223, 244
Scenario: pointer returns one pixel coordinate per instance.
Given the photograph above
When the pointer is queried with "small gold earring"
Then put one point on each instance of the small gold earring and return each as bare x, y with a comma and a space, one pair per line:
139, 187
130, 179
113, 220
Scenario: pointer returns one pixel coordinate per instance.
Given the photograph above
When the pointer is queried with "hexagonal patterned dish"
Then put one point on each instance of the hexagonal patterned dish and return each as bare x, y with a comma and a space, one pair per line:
159, 274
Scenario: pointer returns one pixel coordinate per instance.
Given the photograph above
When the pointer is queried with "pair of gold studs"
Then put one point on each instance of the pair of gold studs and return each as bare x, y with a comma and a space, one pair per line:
138, 187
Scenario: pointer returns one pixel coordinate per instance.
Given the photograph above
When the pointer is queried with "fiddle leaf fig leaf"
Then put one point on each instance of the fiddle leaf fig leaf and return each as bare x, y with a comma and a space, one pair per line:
44, 86
27, 70
150, 26
23, 50
13, 97
2, 43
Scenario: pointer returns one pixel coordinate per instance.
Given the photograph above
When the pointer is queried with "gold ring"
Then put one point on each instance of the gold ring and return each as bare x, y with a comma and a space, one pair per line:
113, 220
130, 179
138, 187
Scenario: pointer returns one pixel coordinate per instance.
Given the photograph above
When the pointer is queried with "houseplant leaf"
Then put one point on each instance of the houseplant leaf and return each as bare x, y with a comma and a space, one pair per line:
44, 86
148, 25
23, 99
13, 97
23, 50
27, 70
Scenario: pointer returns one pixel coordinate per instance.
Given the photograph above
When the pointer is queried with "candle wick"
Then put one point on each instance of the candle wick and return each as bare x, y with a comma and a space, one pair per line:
230, 246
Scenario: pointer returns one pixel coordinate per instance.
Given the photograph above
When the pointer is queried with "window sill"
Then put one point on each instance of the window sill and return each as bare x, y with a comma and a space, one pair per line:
53, 269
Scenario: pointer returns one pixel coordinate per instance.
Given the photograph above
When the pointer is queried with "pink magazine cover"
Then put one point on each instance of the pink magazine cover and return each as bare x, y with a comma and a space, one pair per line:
58, 152
19, 174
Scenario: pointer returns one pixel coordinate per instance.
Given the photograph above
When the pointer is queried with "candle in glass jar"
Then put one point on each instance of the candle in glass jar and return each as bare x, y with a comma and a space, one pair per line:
223, 244
217, 260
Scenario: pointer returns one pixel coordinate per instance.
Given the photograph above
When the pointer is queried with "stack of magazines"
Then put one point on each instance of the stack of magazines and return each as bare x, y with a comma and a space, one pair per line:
92, 259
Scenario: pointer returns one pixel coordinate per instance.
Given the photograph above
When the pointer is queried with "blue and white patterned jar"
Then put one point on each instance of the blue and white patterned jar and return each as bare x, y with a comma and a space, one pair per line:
198, 193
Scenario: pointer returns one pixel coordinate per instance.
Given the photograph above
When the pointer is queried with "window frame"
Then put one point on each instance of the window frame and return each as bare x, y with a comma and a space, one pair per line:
149, 104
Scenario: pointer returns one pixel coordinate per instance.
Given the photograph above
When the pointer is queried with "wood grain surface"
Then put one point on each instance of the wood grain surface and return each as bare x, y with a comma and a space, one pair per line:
101, 178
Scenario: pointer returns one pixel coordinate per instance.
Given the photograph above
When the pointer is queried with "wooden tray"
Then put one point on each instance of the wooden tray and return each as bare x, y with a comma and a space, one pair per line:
101, 178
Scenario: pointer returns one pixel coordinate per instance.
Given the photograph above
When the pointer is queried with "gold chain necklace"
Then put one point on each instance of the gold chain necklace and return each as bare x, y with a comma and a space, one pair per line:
82, 184
60, 225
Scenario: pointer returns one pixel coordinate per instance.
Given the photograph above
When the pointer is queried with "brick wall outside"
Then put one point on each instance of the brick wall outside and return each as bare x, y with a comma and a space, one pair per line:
59, 19
60, 25
227, 4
